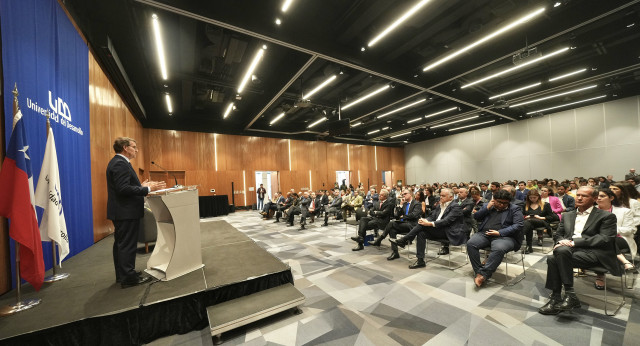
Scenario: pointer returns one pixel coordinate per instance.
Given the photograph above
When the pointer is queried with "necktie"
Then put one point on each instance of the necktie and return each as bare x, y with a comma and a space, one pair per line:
380, 207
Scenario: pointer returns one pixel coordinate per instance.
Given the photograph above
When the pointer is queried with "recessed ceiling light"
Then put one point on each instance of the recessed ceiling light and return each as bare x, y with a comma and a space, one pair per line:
553, 96
372, 132
515, 90
397, 22
487, 38
400, 135
229, 108
252, 67
322, 85
567, 104
285, 5
379, 90
467, 126
558, 3
440, 112
159, 46
567, 75
317, 122
168, 99
516, 67
278, 21
401, 108
456, 121
362, 49
277, 118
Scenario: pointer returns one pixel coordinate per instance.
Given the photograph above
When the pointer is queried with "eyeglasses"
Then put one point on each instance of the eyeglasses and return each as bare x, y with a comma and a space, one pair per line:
501, 202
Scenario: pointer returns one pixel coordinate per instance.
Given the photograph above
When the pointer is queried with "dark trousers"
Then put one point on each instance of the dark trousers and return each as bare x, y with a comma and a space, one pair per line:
393, 229
366, 223
560, 265
331, 210
499, 247
124, 248
423, 233
530, 225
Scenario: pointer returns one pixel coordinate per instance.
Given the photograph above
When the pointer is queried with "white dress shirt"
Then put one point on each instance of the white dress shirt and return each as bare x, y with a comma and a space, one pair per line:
581, 220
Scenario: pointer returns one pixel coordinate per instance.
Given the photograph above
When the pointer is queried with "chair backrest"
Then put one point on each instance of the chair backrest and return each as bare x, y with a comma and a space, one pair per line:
149, 229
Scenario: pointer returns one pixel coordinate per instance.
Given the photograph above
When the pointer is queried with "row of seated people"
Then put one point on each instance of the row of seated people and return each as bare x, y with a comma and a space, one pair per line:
582, 238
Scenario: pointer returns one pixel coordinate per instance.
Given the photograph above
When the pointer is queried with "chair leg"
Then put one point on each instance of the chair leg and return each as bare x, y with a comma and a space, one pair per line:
146, 247
606, 303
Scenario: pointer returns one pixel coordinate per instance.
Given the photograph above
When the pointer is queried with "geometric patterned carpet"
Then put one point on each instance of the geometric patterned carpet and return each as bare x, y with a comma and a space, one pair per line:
360, 298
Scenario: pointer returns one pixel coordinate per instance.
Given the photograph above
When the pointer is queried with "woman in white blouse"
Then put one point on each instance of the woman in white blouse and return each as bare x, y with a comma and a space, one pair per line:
608, 201
625, 200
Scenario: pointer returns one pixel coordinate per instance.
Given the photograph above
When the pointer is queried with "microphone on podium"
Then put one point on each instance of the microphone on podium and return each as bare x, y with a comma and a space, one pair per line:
166, 171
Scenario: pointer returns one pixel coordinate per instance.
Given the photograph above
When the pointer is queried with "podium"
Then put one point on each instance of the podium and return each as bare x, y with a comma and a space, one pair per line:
177, 251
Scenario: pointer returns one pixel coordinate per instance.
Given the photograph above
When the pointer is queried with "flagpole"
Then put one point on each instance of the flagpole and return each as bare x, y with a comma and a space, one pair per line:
20, 304
54, 276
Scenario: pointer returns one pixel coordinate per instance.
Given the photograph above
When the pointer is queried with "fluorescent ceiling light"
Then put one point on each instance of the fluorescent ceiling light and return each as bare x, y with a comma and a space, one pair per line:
357, 124
398, 21
317, 122
276, 118
252, 67
322, 85
552, 96
486, 38
229, 108
169, 108
515, 90
286, 5
516, 67
366, 96
401, 108
402, 134
385, 128
412, 120
444, 111
567, 104
464, 127
374, 131
453, 122
159, 47
566, 75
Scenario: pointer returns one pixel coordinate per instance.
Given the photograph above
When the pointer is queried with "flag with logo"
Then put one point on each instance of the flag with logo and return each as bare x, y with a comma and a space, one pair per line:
52, 225
17, 204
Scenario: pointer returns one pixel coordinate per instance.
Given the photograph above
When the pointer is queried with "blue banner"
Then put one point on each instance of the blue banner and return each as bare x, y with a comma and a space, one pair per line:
45, 57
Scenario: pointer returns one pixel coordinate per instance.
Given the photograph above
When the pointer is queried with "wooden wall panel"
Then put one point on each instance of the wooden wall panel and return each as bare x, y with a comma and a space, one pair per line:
109, 118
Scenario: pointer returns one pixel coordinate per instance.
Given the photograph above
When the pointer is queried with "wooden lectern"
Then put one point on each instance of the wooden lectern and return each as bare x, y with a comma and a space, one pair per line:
177, 251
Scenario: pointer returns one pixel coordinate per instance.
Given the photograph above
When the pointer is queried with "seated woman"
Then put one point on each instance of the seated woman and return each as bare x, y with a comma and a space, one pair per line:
419, 196
547, 196
536, 214
608, 201
622, 192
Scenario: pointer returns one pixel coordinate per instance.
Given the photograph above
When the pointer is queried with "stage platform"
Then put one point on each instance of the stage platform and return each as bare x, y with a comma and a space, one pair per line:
89, 308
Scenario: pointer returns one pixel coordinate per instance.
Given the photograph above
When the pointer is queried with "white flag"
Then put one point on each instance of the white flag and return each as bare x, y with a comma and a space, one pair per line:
48, 196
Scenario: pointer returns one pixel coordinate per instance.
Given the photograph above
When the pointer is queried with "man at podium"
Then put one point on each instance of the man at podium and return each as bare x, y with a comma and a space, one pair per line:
125, 208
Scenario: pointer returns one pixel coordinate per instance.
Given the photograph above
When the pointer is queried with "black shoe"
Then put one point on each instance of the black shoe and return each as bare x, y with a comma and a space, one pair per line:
376, 242
393, 256
302, 226
358, 239
358, 247
324, 224
444, 250
276, 221
400, 242
418, 264
570, 302
528, 249
539, 241
135, 282
551, 308
290, 225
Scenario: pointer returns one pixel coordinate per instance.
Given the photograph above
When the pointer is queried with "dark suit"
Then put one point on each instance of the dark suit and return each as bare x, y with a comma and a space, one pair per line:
522, 195
486, 194
408, 215
333, 208
511, 221
467, 206
593, 248
378, 219
450, 227
569, 202
125, 207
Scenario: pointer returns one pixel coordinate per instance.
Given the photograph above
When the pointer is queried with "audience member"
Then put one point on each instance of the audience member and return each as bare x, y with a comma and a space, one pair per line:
380, 215
632, 173
537, 214
501, 225
333, 207
486, 194
567, 200
553, 201
522, 191
406, 217
582, 240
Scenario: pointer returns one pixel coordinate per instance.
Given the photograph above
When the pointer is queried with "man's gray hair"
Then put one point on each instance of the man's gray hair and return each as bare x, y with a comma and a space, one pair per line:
384, 192
447, 190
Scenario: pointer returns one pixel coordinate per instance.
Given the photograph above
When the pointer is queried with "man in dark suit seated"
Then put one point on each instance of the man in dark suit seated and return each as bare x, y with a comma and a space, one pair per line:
522, 192
445, 222
568, 201
466, 204
283, 205
379, 217
501, 225
333, 207
125, 207
583, 240
272, 205
406, 216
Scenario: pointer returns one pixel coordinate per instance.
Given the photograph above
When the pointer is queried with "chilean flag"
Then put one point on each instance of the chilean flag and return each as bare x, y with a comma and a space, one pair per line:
17, 203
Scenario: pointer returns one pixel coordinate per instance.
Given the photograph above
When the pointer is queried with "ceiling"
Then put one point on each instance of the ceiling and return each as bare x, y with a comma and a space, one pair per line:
210, 45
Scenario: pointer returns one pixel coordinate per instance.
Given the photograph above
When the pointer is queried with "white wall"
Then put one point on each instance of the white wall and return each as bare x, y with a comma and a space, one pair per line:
596, 140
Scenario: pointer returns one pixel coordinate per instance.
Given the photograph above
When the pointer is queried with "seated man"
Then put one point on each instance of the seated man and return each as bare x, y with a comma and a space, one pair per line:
283, 205
333, 207
444, 222
302, 208
271, 204
380, 215
466, 204
583, 240
567, 200
407, 218
501, 224
350, 204
370, 198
